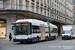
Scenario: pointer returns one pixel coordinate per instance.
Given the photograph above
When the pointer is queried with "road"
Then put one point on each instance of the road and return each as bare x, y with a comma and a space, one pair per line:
45, 45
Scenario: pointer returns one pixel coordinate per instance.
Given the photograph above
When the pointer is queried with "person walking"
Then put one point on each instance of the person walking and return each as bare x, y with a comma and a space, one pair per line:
10, 36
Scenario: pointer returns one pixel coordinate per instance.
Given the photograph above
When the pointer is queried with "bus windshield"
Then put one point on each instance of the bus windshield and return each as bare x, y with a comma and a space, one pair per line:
67, 32
22, 29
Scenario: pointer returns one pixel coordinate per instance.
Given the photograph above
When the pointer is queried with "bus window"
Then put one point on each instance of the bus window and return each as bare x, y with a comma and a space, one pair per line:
54, 30
35, 29
46, 30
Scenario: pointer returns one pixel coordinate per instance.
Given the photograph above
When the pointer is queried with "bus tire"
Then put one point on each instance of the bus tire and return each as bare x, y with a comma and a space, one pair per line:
21, 42
54, 37
37, 40
62, 38
71, 38
47, 38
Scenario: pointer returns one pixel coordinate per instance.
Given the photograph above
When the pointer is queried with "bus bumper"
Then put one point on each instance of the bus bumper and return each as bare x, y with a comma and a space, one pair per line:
25, 40
22, 40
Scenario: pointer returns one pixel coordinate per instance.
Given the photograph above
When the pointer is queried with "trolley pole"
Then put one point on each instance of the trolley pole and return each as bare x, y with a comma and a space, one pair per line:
48, 22
49, 31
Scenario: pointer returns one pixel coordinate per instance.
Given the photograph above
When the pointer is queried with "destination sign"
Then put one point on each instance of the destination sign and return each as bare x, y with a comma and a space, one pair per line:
1, 21
23, 24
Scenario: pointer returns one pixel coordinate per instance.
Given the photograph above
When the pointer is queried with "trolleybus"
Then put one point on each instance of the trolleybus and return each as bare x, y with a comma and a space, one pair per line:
29, 30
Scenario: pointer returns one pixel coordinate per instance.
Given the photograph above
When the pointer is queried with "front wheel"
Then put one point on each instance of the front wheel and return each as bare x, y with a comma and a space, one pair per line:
54, 37
47, 38
71, 38
37, 40
62, 38
21, 42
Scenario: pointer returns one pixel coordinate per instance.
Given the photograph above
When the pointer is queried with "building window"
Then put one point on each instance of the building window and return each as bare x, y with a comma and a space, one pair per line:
74, 21
48, 1
74, 15
37, 9
32, 7
74, 7
52, 5
27, 5
41, 0
55, 0
33, 0
37, 1
44, 2
41, 10
45, 11
20, 4
48, 12
1, 4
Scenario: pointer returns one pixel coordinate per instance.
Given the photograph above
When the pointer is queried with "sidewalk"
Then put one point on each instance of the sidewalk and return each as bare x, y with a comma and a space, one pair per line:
2, 41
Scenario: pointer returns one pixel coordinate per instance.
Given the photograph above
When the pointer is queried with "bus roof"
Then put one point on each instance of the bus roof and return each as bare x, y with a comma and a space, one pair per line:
36, 22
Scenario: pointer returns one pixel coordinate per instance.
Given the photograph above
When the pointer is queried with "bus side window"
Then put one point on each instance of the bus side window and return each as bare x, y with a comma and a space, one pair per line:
54, 30
46, 30
35, 29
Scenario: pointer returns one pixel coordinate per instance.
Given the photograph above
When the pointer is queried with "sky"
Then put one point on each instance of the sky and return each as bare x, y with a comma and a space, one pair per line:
73, 1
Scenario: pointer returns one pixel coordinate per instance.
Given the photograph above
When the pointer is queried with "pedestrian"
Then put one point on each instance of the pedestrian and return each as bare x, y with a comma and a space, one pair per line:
10, 36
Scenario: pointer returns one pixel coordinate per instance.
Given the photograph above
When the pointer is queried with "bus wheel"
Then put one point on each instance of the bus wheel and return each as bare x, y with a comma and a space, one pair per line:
54, 37
47, 38
71, 38
37, 40
21, 42
62, 38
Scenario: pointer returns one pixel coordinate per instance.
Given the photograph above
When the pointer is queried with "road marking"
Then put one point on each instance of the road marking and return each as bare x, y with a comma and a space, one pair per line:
61, 41
5, 42
48, 41
52, 41
68, 41
74, 42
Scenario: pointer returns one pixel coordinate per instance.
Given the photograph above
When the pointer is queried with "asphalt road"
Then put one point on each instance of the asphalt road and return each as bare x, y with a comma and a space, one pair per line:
45, 45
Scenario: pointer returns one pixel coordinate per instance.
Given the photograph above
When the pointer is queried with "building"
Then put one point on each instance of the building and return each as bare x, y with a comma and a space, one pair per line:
12, 10
74, 11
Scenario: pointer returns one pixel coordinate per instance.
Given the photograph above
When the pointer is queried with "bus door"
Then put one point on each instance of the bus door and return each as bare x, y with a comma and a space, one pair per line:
42, 28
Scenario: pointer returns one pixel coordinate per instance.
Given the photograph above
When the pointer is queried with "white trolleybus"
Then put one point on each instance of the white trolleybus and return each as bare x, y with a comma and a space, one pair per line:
29, 30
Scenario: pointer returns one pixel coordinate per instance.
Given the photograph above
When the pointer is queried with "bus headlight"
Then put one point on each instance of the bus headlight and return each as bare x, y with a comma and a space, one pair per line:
62, 35
69, 35
30, 37
14, 37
